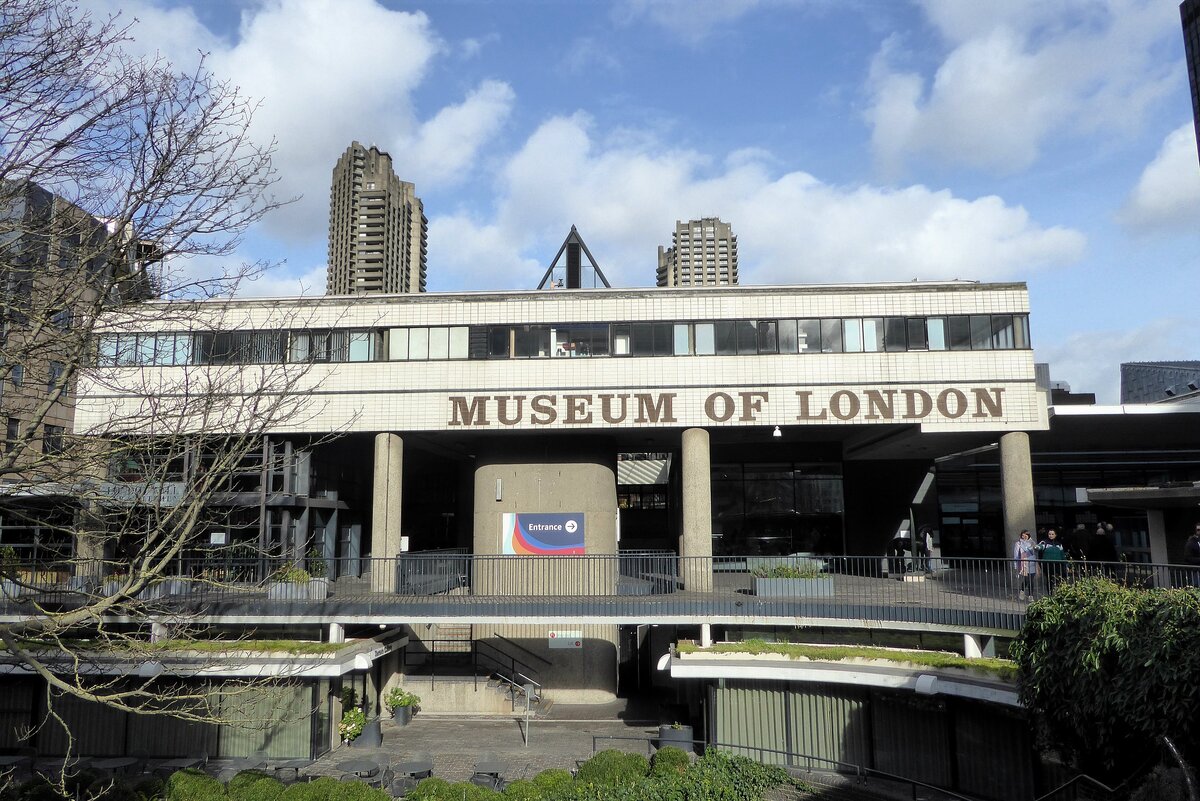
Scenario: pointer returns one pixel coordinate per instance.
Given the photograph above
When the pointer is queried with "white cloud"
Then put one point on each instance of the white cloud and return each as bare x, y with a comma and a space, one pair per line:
1017, 72
625, 196
277, 282
690, 20
1167, 195
1090, 361
329, 72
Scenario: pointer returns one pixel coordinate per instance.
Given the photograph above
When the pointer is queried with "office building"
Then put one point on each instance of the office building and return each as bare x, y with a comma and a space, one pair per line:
1160, 382
377, 227
702, 253
1189, 12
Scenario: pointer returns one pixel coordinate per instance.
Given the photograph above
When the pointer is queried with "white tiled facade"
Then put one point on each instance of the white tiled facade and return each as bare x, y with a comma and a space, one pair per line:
996, 386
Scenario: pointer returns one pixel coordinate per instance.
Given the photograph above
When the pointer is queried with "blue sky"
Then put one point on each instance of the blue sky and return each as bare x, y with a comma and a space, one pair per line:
844, 140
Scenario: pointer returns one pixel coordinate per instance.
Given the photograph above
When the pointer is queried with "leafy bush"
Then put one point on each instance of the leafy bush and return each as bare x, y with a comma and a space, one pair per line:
523, 790
1107, 670
38, 789
254, 785
107, 789
194, 785
356, 791
552, 782
669, 761
398, 697
613, 767
149, 787
431, 789
317, 790
736, 777
291, 573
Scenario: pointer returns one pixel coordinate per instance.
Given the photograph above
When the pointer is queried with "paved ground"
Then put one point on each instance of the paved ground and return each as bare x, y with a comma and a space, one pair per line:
456, 744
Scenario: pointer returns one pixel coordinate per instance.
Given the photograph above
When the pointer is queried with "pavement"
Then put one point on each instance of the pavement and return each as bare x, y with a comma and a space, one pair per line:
455, 744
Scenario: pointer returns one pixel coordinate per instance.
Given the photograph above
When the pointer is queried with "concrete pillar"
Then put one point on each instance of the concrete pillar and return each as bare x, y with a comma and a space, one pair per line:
337, 632
1016, 487
705, 635
1156, 527
695, 538
158, 631
977, 646
385, 509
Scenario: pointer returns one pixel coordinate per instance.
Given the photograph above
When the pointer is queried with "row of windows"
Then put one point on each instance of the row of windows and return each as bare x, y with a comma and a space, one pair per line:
53, 437
572, 340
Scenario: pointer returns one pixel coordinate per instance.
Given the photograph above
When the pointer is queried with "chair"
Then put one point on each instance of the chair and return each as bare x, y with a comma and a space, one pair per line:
403, 785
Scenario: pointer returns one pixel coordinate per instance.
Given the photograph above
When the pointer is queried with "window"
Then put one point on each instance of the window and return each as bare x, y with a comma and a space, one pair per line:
936, 329
788, 341
852, 335
18, 375
705, 339
459, 340
981, 332
1002, 331
960, 333
439, 343
418, 343
726, 336
894, 338
747, 337
808, 333
683, 339
53, 439
55, 374
498, 343
12, 433
831, 336
61, 319
398, 344
363, 346
916, 334
768, 341
873, 334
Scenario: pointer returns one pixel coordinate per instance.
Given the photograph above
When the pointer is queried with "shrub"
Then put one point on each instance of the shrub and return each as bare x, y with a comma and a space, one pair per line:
254, 785
669, 761
39, 789
737, 776
398, 697
613, 767
106, 789
317, 790
434, 789
356, 791
431, 789
194, 785
552, 781
523, 790
787, 571
149, 788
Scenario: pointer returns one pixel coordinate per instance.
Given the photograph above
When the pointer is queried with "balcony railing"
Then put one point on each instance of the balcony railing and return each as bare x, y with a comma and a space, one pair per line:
625, 587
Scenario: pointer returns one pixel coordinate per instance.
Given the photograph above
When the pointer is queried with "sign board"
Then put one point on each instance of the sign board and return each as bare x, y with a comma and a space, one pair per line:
546, 534
566, 639
218, 538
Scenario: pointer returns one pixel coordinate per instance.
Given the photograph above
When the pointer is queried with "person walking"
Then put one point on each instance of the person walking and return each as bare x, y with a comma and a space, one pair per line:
923, 549
1025, 557
1052, 557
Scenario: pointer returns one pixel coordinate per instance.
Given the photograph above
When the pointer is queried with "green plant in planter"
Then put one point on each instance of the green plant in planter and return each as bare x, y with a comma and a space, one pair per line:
354, 720
787, 571
317, 567
399, 697
8, 561
291, 574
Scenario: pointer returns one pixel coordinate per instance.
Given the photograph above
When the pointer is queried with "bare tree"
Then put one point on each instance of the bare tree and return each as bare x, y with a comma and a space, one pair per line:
122, 180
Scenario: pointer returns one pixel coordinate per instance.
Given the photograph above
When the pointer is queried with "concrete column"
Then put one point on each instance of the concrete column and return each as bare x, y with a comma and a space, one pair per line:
337, 632
705, 635
385, 509
695, 538
977, 646
158, 631
1016, 487
1156, 527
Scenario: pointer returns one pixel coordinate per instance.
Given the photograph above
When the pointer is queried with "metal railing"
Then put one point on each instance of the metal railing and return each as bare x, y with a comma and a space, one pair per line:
955, 593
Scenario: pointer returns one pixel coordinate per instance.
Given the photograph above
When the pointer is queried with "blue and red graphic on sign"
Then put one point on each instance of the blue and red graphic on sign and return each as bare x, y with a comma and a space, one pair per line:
542, 534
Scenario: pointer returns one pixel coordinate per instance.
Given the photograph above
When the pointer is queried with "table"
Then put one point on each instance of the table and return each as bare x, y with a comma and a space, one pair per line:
13, 760
293, 765
115, 765
416, 768
359, 767
490, 768
173, 765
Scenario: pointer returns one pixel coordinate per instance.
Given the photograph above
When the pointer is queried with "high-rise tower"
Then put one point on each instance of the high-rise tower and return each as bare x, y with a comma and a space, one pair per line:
377, 227
702, 253
1189, 12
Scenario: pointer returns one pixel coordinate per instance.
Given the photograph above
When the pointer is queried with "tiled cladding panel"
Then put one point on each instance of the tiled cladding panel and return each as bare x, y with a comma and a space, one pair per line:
943, 391
592, 305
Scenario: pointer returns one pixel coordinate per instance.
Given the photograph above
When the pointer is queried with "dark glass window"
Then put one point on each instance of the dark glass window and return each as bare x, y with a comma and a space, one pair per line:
831, 336
788, 339
498, 342
981, 332
916, 334
643, 339
664, 339
747, 337
726, 336
768, 341
960, 333
809, 334
1002, 332
894, 334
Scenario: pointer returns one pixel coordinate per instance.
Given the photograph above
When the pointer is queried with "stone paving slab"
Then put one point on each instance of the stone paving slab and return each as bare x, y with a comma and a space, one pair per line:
456, 744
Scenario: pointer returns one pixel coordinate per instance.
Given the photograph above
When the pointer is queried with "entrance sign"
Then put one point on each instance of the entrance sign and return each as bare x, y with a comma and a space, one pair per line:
526, 533
565, 639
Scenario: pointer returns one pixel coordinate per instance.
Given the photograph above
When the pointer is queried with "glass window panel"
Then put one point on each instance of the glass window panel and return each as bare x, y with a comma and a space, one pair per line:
916, 334
894, 334
202, 347
339, 342
398, 344
1022, 331
768, 341
562, 343
145, 349
788, 341
831, 336
936, 328
852, 337
643, 339
960, 333
418, 343
362, 346
663, 339
683, 339
726, 336
747, 337
183, 349
106, 354
872, 334
706, 343
599, 340
459, 340
981, 332
498, 347
621, 340
1002, 331
439, 343
808, 336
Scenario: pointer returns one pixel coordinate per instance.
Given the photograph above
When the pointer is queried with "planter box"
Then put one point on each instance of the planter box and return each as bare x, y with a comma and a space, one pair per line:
819, 587
313, 589
679, 738
402, 715
371, 737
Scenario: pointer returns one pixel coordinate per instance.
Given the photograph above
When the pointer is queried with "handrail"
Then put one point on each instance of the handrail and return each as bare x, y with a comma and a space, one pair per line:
527, 679
513, 661
860, 771
522, 648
